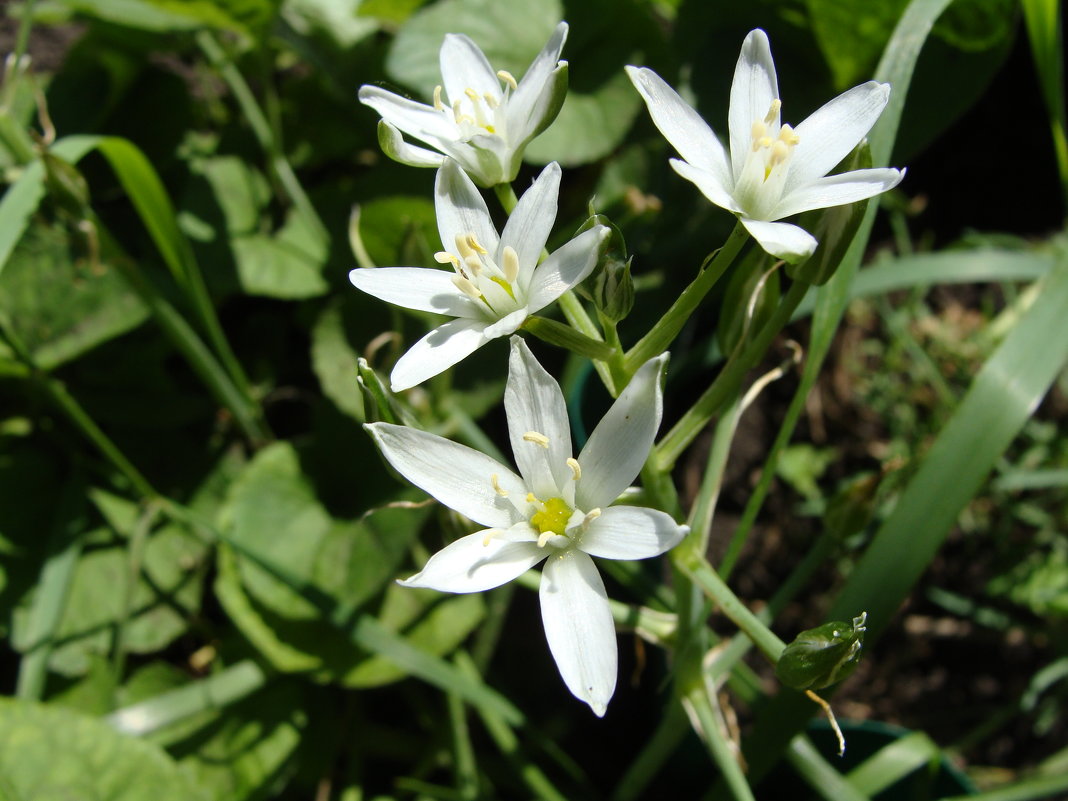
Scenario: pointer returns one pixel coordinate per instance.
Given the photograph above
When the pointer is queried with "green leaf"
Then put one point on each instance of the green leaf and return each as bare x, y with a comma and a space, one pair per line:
19, 203
287, 265
60, 303
335, 362
165, 16
55, 754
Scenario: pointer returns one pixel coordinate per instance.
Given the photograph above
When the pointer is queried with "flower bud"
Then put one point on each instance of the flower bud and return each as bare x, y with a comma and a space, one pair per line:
610, 285
822, 656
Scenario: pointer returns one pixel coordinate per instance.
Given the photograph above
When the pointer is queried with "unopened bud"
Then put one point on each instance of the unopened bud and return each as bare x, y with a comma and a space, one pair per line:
822, 656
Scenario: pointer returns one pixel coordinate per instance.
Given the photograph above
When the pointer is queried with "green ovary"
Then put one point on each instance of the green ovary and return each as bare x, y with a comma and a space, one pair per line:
553, 517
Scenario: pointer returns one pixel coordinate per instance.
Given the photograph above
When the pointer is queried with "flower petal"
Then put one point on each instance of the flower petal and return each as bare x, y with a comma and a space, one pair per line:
461, 210
531, 221
683, 127
830, 132
709, 185
505, 326
416, 288
835, 190
631, 532
753, 89
567, 266
530, 108
393, 145
620, 444
579, 628
480, 561
782, 240
417, 119
457, 476
533, 402
438, 351
464, 66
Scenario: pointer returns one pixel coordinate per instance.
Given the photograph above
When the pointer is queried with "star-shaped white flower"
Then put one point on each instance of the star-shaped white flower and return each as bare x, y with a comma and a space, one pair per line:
482, 118
557, 508
773, 170
495, 282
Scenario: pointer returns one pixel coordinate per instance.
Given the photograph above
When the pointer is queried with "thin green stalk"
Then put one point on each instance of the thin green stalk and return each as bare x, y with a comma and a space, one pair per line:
565, 336
663, 333
704, 506
820, 775
135, 559
705, 577
261, 129
464, 765
13, 69
697, 701
726, 383
506, 196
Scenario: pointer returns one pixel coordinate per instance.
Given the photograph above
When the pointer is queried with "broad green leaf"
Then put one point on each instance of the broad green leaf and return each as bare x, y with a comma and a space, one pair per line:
240, 192
56, 754
165, 16
510, 35
335, 362
287, 265
394, 11
59, 302
19, 203
340, 20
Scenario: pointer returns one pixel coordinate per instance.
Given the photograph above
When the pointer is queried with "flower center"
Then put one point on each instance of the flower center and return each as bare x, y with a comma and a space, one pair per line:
760, 184
480, 277
477, 114
552, 517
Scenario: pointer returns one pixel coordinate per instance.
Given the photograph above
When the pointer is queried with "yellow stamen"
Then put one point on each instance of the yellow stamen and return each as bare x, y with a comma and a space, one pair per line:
462, 246
491, 101
475, 246
497, 486
507, 77
438, 105
764, 141
758, 131
538, 439
779, 151
787, 135
773, 112
471, 93
510, 268
466, 286
591, 515
574, 465
544, 538
473, 264
444, 257
490, 534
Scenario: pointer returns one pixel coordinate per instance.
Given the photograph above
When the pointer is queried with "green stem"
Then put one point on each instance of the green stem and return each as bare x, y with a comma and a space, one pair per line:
261, 129
698, 569
564, 336
506, 196
696, 698
663, 333
727, 382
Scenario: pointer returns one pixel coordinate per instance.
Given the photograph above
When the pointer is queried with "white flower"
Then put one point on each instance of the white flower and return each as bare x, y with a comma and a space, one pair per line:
483, 119
773, 170
495, 282
557, 508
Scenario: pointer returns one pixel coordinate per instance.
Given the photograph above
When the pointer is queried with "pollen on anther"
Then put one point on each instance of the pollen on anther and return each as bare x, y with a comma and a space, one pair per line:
575, 468
508, 78
438, 105
497, 486
511, 264
444, 257
491, 101
591, 515
758, 131
475, 246
773, 112
466, 286
538, 439
471, 93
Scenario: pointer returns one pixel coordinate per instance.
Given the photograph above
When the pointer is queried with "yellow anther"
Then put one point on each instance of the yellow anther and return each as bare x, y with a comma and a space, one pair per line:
779, 151
444, 257
456, 113
463, 247
764, 141
474, 264
471, 93
510, 268
508, 78
758, 131
497, 486
773, 112
544, 538
574, 465
490, 534
591, 515
475, 246
438, 105
491, 101
787, 135
538, 439
466, 286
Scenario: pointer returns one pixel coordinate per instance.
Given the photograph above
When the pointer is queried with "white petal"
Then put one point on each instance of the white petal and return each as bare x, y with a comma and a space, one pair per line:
457, 476
393, 145
834, 190
753, 89
620, 444
631, 532
480, 561
416, 119
533, 402
683, 127
782, 240
461, 210
526, 106
506, 326
579, 628
566, 267
416, 288
464, 66
438, 351
708, 184
531, 221
829, 133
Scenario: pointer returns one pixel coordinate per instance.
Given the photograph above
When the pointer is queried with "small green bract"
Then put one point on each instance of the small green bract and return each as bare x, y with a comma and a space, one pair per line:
822, 656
